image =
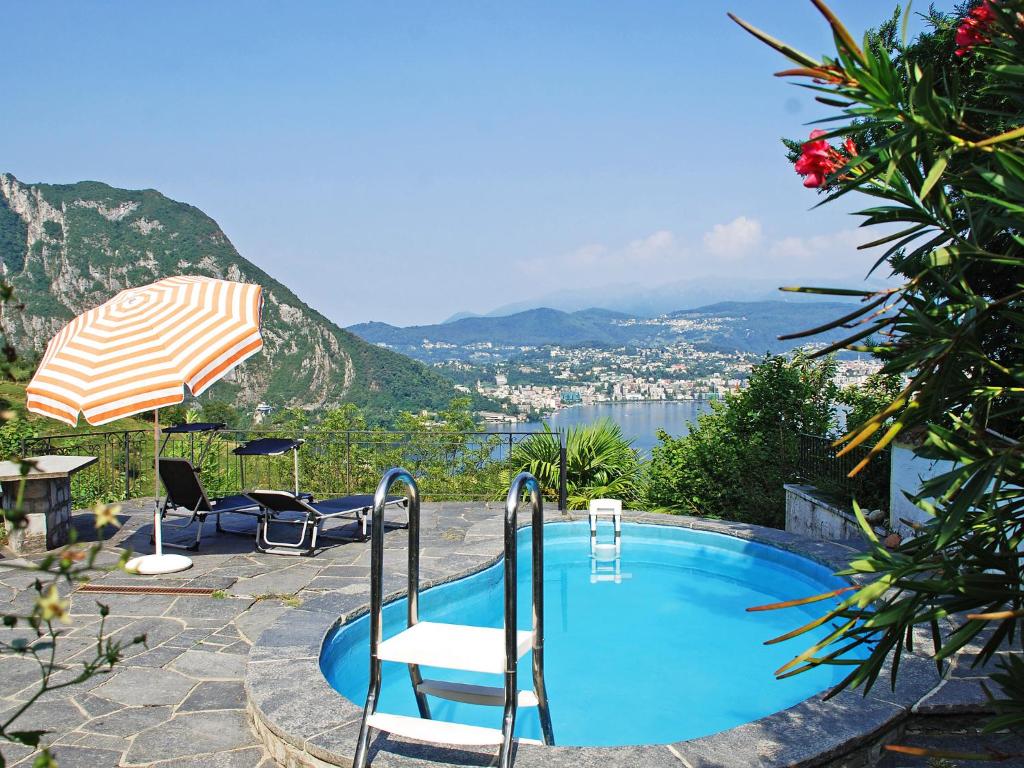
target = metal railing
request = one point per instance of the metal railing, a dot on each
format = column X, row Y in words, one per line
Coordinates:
column 818, row 465
column 449, row 466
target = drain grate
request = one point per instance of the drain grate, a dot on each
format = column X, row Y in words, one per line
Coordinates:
column 115, row 589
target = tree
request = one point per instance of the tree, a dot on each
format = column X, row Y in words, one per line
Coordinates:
column 874, row 395
column 448, row 452
column 734, row 462
column 175, row 414
column 932, row 132
column 217, row 411
column 346, row 418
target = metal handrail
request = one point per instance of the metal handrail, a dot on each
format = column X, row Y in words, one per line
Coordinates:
column 524, row 481
column 391, row 477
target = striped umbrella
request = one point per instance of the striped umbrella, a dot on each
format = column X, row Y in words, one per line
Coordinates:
column 139, row 351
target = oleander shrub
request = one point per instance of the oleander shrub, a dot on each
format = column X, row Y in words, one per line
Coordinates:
column 931, row 131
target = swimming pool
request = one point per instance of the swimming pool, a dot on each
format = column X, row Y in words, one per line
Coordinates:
column 653, row 647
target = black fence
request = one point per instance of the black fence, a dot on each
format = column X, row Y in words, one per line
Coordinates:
column 448, row 466
column 818, row 465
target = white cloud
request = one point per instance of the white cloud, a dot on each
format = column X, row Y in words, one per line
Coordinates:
column 651, row 247
column 587, row 255
column 817, row 247
column 733, row 250
column 734, row 239
column 651, row 256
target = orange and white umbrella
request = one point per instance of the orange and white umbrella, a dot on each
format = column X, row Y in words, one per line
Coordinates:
column 138, row 352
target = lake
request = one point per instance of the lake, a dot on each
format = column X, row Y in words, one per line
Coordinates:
column 638, row 420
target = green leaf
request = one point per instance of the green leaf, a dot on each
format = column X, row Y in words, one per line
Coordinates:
column 786, row 50
column 940, row 257
column 938, row 168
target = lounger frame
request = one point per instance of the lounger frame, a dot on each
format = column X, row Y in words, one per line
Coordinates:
column 311, row 518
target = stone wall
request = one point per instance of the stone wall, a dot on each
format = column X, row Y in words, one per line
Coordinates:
column 47, row 507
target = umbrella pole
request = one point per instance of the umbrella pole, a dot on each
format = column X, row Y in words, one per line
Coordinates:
column 157, row 522
column 158, row 562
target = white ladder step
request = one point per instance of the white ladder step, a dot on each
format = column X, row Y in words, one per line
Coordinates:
column 474, row 694
column 436, row 731
column 439, row 731
column 453, row 646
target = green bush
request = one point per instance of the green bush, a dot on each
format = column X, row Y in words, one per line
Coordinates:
column 12, row 433
column 874, row 395
column 600, row 463
column 734, row 462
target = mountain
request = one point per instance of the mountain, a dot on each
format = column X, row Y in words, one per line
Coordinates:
column 754, row 326
column 66, row 248
column 723, row 327
column 459, row 316
column 646, row 301
column 534, row 327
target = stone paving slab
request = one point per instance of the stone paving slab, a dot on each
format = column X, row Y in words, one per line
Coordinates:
column 192, row 733
column 141, row 687
column 129, row 720
column 210, row 665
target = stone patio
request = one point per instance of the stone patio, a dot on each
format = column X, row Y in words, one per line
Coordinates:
column 180, row 701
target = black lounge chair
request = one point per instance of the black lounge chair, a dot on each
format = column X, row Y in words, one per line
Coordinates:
column 286, row 508
column 187, row 498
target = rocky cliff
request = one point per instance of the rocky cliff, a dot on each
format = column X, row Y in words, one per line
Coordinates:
column 66, row 248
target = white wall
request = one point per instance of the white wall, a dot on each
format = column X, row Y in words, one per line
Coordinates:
column 908, row 471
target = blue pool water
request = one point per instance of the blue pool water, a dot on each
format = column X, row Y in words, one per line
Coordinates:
column 666, row 652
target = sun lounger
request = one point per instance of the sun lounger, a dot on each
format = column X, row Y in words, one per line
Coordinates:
column 285, row 508
column 186, row 498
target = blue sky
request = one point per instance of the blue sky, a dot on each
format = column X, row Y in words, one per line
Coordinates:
column 404, row 161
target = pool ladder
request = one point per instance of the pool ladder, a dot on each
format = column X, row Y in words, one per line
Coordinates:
column 605, row 559
column 456, row 646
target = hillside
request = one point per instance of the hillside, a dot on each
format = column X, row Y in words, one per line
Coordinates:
column 534, row 326
column 66, row 248
column 754, row 326
column 724, row 327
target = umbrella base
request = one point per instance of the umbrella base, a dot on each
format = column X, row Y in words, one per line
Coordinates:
column 149, row 565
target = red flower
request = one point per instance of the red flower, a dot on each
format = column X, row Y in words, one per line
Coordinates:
column 971, row 31
column 819, row 159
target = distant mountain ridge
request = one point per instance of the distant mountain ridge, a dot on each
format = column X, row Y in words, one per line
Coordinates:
column 66, row 248
column 647, row 301
column 534, row 327
column 725, row 327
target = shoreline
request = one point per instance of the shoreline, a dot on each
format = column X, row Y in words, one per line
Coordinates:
column 569, row 406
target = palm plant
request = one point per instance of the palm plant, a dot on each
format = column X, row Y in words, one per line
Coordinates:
column 600, row 463
column 932, row 131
